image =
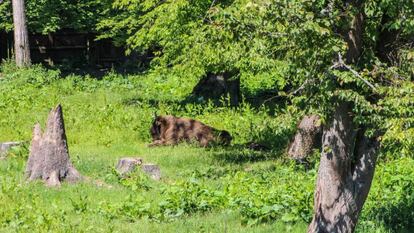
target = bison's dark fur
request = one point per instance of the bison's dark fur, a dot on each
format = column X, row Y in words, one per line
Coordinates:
column 170, row 130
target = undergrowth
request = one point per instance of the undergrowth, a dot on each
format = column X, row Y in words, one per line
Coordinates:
column 109, row 118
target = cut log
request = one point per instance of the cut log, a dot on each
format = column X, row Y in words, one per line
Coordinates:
column 49, row 154
column 307, row 137
column 6, row 146
column 127, row 165
column 152, row 170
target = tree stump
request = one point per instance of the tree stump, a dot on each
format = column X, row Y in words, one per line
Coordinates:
column 152, row 170
column 127, row 165
column 49, row 155
column 6, row 146
column 307, row 137
column 213, row 86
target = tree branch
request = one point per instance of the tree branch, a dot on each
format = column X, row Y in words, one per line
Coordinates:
column 205, row 16
column 294, row 92
column 341, row 64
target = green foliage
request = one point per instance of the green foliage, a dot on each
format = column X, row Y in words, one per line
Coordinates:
column 190, row 196
column 391, row 202
column 281, row 197
column 6, row 16
column 399, row 137
column 194, row 38
column 123, row 104
column 276, row 45
column 47, row 16
column 272, row 194
column 135, row 181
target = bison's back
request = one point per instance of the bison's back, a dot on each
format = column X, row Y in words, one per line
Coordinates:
column 189, row 129
column 175, row 129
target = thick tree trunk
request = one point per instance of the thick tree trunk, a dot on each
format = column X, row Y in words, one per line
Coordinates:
column 342, row 185
column 348, row 157
column 49, row 155
column 21, row 37
column 306, row 138
column 353, row 38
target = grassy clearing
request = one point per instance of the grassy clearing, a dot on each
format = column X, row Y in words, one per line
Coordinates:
column 203, row 190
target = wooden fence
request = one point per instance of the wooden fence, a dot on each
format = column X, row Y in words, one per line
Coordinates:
column 67, row 47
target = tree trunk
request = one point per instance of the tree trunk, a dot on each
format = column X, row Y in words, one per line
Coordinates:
column 21, row 37
column 49, row 155
column 306, row 138
column 348, row 157
column 342, row 185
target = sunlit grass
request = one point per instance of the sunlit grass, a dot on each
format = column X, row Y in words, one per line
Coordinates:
column 109, row 120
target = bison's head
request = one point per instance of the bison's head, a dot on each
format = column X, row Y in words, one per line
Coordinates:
column 225, row 138
column 155, row 129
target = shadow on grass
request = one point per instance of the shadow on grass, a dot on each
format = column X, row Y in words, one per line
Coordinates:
column 265, row 99
column 152, row 102
column 239, row 154
column 96, row 72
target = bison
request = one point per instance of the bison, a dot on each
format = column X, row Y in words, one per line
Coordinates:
column 170, row 130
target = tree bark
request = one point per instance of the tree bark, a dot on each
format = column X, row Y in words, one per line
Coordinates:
column 342, row 185
column 353, row 38
column 306, row 138
column 49, row 154
column 21, row 37
column 348, row 157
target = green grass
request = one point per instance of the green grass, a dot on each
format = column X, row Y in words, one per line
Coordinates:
column 202, row 189
column 97, row 162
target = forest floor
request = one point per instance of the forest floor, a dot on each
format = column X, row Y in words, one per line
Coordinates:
column 219, row 189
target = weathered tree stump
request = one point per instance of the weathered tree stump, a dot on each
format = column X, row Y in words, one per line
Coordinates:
column 307, row 137
column 127, row 165
column 6, row 146
column 152, row 170
column 49, row 155
column 213, row 86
